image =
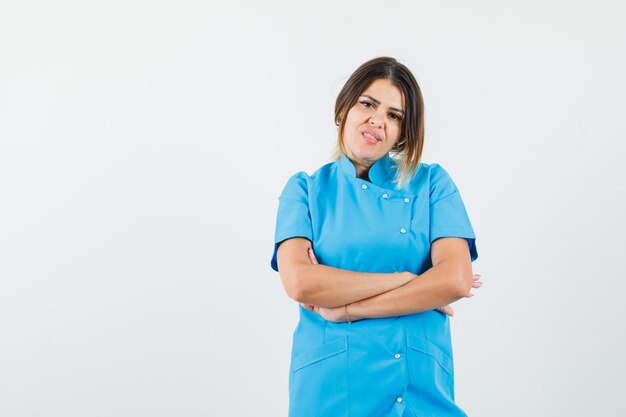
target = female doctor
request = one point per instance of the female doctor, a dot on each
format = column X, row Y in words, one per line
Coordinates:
column 374, row 246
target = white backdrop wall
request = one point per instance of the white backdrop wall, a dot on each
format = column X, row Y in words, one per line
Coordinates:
column 143, row 146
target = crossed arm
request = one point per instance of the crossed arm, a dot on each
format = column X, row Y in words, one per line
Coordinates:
column 326, row 290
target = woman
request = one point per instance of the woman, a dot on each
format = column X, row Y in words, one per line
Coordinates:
column 374, row 246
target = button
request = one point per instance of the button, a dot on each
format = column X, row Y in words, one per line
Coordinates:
column 364, row 186
column 385, row 195
column 407, row 199
column 403, row 230
column 397, row 356
column 399, row 399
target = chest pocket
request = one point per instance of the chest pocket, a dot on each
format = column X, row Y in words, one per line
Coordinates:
column 364, row 229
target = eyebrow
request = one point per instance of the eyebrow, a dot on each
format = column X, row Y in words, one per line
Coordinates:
column 378, row 102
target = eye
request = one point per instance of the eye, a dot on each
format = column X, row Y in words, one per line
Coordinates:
column 395, row 116
column 366, row 103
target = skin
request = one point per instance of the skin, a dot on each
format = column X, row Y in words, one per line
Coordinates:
column 338, row 314
column 333, row 292
column 383, row 119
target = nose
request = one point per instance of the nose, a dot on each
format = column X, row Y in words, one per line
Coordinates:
column 375, row 121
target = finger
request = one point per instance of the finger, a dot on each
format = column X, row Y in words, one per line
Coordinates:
column 477, row 277
column 469, row 295
column 312, row 256
column 307, row 306
column 446, row 310
column 477, row 284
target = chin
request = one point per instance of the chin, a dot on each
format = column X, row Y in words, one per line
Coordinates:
column 372, row 153
column 368, row 156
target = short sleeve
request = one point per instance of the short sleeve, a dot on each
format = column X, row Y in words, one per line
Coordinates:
column 448, row 217
column 293, row 218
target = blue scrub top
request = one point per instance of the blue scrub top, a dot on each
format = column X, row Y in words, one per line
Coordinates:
column 392, row 366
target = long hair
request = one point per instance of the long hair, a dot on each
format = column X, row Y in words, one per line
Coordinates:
column 408, row 149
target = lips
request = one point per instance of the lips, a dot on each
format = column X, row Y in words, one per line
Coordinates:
column 370, row 136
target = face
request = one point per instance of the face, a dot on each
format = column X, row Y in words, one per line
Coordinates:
column 373, row 124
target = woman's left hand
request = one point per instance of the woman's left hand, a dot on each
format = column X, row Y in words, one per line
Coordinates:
column 476, row 283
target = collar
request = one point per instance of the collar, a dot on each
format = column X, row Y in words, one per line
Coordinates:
column 378, row 173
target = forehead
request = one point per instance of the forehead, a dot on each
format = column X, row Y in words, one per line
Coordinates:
column 386, row 92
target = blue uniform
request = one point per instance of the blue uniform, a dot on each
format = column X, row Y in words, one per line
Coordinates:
column 393, row 366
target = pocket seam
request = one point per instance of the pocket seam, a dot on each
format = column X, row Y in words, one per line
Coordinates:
column 425, row 346
column 317, row 354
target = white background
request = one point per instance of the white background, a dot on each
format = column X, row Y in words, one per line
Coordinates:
column 143, row 146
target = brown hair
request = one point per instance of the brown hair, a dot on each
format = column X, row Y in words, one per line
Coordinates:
column 408, row 150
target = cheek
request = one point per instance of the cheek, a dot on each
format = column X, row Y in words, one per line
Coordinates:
column 356, row 116
column 349, row 121
column 352, row 124
column 395, row 132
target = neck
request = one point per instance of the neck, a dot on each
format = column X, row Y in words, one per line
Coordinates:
column 361, row 167
column 362, row 172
